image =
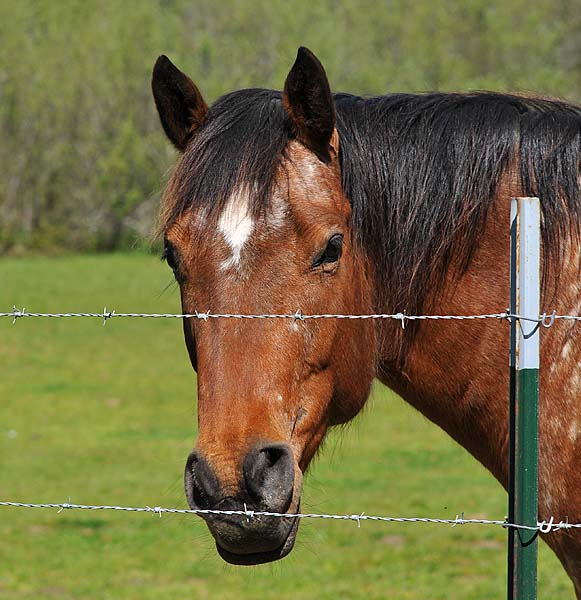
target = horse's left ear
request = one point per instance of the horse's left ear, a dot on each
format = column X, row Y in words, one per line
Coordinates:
column 307, row 99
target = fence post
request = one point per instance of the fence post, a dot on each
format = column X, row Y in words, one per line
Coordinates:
column 524, row 397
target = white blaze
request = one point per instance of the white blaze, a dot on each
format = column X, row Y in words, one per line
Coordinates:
column 236, row 225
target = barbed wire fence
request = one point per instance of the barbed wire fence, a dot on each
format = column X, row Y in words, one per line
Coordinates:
column 545, row 320
column 523, row 403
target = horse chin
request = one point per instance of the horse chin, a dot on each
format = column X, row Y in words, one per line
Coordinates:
column 259, row 558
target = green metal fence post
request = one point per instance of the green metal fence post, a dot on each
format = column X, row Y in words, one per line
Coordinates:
column 524, row 397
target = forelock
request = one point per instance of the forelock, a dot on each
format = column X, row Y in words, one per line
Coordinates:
column 241, row 146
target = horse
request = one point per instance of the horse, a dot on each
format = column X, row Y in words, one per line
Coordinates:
column 333, row 203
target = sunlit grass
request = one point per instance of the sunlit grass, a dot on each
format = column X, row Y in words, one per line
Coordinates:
column 106, row 415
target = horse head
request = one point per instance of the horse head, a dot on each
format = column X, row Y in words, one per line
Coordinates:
column 256, row 222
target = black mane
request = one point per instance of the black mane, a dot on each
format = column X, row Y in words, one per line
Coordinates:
column 421, row 172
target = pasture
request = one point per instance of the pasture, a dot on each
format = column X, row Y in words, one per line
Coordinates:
column 106, row 415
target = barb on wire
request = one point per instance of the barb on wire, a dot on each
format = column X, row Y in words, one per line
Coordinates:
column 16, row 314
column 542, row 526
column 107, row 315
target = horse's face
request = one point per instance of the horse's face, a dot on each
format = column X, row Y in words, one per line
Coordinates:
column 268, row 389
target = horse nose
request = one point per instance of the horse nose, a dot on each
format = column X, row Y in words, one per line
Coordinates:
column 267, row 480
column 202, row 487
column 269, row 476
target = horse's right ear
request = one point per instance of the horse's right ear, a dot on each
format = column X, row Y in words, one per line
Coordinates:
column 180, row 105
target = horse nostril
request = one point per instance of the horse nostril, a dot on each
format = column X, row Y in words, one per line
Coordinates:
column 202, row 487
column 273, row 454
column 269, row 476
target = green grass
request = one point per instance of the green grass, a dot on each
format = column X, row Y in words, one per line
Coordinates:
column 107, row 415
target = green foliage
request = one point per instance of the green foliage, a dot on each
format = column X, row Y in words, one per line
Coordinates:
column 81, row 149
column 105, row 415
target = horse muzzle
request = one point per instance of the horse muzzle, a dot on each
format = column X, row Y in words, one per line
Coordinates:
column 267, row 484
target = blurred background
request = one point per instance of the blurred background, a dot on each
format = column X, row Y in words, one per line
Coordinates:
column 80, row 145
column 106, row 415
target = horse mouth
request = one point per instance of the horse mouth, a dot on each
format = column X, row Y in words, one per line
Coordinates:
column 259, row 558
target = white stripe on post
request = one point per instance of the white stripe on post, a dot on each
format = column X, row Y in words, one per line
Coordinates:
column 528, row 281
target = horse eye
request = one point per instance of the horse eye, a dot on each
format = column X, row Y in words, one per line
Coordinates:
column 332, row 252
column 169, row 257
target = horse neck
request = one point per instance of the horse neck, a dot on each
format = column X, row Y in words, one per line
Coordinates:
column 456, row 372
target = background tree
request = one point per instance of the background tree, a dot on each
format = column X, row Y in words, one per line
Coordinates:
column 80, row 146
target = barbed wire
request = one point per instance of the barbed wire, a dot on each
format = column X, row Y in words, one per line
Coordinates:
column 546, row 320
column 546, row 526
column 543, row 320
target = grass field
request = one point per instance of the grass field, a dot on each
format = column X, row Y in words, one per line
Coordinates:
column 106, row 415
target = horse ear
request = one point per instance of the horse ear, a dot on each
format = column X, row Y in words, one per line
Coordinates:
column 180, row 105
column 307, row 99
